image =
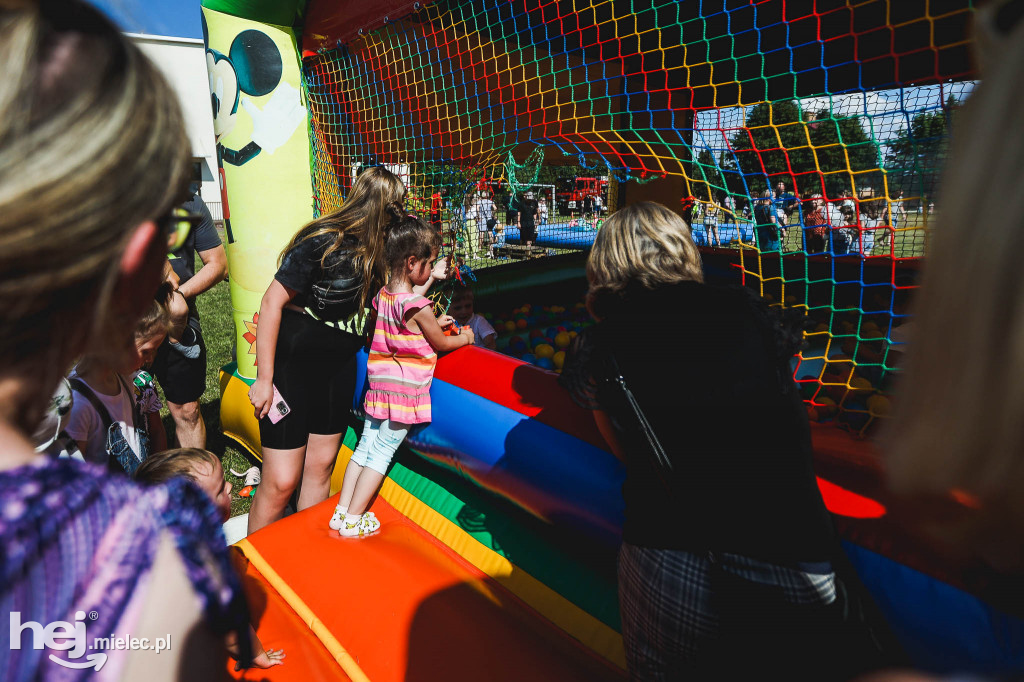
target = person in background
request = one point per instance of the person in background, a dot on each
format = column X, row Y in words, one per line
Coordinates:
column 711, row 213
column 93, row 163
column 542, row 209
column 486, row 224
column 527, row 217
column 785, row 203
column 766, row 223
column 462, row 310
column 815, row 223
column 182, row 374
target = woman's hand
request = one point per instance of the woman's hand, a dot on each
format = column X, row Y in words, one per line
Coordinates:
column 261, row 395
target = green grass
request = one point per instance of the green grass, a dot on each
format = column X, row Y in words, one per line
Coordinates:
column 219, row 334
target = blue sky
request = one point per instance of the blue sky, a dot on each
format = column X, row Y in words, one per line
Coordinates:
column 178, row 18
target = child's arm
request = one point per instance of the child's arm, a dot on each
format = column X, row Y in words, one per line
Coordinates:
column 440, row 272
column 434, row 335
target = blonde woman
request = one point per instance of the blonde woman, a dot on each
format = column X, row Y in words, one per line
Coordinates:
column 311, row 326
column 93, row 160
column 725, row 570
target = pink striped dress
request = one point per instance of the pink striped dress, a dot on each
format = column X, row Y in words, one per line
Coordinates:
column 401, row 363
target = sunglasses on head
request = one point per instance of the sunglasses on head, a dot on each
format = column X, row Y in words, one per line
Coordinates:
column 176, row 224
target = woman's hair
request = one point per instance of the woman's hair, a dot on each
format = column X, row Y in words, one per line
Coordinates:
column 92, row 144
column 375, row 195
column 157, row 317
column 407, row 236
column 644, row 244
column 164, row 466
column 958, row 418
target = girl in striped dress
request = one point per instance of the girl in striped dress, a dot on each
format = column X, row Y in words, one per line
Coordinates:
column 406, row 340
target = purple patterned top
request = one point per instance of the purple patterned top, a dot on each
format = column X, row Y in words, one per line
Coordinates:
column 76, row 545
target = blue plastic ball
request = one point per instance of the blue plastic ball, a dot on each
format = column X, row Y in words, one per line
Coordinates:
column 528, row 357
column 545, row 363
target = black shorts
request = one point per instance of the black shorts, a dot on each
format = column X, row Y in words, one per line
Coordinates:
column 183, row 379
column 315, row 372
column 528, row 233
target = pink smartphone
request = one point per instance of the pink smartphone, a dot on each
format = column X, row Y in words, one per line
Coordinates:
column 279, row 409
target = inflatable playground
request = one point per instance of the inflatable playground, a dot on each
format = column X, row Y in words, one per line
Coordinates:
column 502, row 518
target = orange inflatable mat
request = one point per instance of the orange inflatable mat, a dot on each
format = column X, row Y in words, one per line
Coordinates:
column 396, row 606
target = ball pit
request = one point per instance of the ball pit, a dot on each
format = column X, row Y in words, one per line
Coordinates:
column 539, row 335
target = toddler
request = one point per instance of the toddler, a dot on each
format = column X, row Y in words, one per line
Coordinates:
column 115, row 415
column 462, row 310
column 406, row 340
column 203, row 468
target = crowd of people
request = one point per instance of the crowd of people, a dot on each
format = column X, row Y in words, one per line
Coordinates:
column 730, row 567
column 838, row 227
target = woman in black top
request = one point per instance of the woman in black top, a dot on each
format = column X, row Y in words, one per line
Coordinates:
column 725, row 565
column 310, row 328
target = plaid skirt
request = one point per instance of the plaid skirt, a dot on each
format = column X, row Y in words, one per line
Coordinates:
column 723, row 616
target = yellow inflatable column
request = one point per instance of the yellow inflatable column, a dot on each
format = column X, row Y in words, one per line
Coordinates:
column 261, row 125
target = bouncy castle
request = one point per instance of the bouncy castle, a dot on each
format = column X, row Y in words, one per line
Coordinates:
column 503, row 516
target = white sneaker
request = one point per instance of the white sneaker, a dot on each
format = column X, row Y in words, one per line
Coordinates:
column 251, row 475
column 363, row 526
column 337, row 520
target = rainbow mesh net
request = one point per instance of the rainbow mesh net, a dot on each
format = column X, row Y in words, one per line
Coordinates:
column 705, row 106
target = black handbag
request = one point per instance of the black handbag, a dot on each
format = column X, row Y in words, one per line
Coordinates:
column 335, row 300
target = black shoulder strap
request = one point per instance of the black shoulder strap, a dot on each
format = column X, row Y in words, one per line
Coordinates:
column 83, row 388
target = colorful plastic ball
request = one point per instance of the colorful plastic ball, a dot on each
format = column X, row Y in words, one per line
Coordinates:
column 527, row 307
column 550, row 332
column 529, row 357
column 878, row 405
column 535, row 334
column 544, row 351
column 521, row 324
column 559, row 359
column 573, row 334
column 560, row 329
column 562, row 339
column 545, row 363
column 510, row 326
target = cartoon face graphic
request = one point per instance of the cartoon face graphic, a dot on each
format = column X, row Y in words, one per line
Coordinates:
column 252, row 67
column 223, row 81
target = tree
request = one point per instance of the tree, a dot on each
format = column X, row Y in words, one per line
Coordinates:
column 806, row 149
column 914, row 159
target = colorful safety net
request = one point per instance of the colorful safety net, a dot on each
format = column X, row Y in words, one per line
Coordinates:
column 803, row 139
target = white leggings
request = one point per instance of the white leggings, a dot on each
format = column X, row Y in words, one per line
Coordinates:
column 378, row 443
